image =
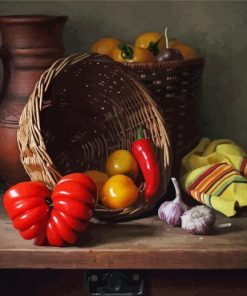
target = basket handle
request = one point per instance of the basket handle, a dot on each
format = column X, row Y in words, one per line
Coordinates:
column 3, row 57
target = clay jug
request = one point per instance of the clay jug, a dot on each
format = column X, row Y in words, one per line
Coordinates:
column 30, row 44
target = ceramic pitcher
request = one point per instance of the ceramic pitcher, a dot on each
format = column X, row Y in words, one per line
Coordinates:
column 30, row 44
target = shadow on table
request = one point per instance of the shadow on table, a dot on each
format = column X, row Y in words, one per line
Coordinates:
column 104, row 233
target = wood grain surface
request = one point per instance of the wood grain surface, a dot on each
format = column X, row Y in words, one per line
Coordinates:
column 141, row 244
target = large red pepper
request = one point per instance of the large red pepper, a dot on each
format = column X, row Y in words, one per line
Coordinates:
column 58, row 216
column 143, row 151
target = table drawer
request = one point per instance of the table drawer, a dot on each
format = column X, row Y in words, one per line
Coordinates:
column 157, row 282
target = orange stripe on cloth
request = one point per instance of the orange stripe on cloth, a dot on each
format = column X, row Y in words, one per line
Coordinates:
column 210, row 179
column 221, row 180
column 202, row 197
column 217, row 178
column 196, row 194
column 213, row 177
column 203, row 176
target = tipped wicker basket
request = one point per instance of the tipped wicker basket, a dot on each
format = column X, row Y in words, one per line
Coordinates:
column 83, row 108
column 175, row 86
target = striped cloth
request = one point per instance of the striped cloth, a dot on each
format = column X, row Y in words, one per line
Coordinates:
column 215, row 174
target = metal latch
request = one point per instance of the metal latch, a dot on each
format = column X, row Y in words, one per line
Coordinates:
column 114, row 283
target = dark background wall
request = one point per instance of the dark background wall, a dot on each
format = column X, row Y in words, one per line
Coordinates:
column 215, row 28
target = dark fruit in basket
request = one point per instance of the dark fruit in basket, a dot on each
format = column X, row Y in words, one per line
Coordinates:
column 169, row 54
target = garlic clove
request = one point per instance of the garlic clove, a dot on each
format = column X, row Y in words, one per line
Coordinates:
column 170, row 212
column 198, row 220
column 178, row 194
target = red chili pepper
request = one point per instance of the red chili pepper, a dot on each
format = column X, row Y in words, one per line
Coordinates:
column 143, row 151
column 39, row 214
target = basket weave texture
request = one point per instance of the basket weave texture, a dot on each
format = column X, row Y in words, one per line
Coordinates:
column 176, row 87
column 83, row 108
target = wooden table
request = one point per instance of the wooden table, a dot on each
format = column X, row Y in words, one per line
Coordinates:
column 146, row 244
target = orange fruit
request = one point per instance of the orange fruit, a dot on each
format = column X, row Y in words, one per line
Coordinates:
column 119, row 192
column 122, row 162
column 129, row 53
column 105, row 46
column 153, row 41
column 98, row 177
column 186, row 51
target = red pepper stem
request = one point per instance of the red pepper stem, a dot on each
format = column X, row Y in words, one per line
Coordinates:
column 139, row 133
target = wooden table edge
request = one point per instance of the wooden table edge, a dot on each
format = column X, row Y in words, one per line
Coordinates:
column 124, row 259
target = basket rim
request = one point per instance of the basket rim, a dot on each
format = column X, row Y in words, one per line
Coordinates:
column 200, row 61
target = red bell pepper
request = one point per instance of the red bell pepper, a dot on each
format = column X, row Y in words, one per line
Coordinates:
column 143, row 151
column 39, row 214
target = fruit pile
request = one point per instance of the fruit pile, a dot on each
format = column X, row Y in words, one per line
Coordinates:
column 117, row 186
column 56, row 217
column 148, row 47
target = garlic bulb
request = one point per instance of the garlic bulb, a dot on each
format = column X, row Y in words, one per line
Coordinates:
column 198, row 220
column 171, row 211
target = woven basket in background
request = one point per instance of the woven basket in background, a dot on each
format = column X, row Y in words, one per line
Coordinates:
column 83, row 108
column 176, row 88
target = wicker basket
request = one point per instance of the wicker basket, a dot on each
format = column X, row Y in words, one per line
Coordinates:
column 176, row 88
column 83, row 108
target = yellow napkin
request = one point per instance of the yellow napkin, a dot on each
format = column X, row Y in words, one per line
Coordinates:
column 214, row 174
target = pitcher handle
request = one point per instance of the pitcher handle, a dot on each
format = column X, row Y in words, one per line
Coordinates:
column 3, row 57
